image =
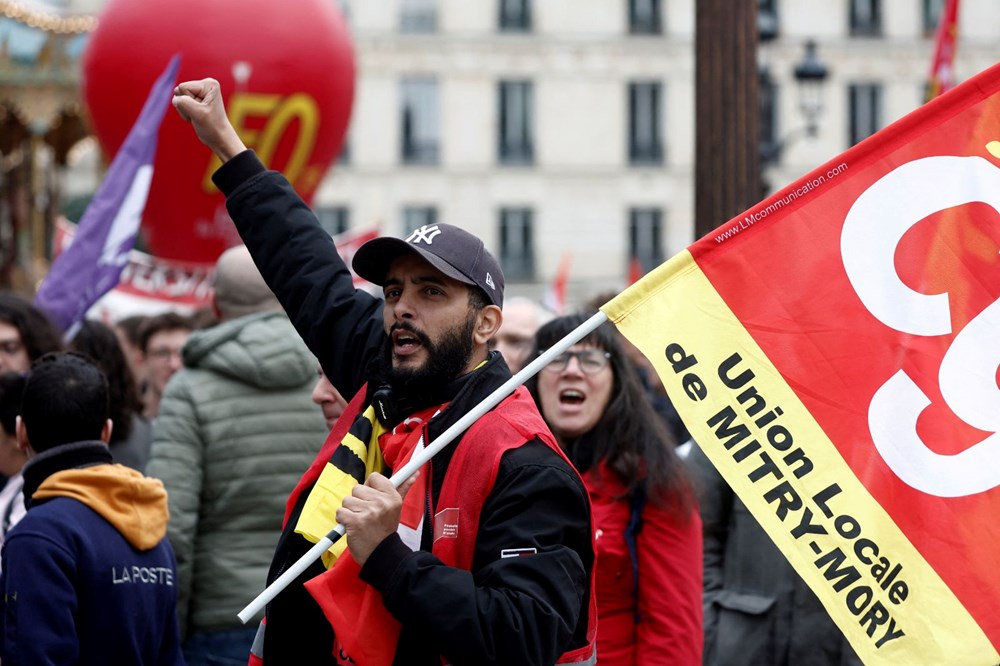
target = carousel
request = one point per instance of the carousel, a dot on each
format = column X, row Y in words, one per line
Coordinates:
column 43, row 132
column 72, row 84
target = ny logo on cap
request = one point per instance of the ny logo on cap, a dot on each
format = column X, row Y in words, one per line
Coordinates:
column 425, row 233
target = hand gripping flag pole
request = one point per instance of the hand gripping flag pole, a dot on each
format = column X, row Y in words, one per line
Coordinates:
column 421, row 458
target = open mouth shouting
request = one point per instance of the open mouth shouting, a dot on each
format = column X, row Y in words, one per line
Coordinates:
column 571, row 397
column 572, row 407
column 406, row 341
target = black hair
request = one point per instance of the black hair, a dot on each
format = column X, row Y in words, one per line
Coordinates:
column 65, row 400
column 100, row 344
column 478, row 298
column 11, row 389
column 38, row 334
column 630, row 438
column 168, row 321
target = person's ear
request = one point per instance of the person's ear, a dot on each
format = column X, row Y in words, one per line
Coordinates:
column 488, row 322
column 106, row 431
column 21, row 433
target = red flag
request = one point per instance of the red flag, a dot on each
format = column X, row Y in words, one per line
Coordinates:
column 555, row 296
column 833, row 352
column 376, row 632
column 942, row 75
column 348, row 243
column 634, row 270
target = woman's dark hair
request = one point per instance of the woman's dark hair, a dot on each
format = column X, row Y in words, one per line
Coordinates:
column 132, row 328
column 38, row 335
column 630, row 438
column 11, row 389
column 100, row 344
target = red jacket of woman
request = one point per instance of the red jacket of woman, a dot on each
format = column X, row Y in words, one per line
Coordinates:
column 669, row 627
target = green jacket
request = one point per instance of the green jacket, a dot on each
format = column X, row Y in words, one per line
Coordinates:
column 236, row 430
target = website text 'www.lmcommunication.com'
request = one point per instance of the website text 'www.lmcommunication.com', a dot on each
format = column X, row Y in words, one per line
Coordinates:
column 751, row 218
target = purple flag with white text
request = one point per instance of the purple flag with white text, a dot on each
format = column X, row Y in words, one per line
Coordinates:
column 106, row 233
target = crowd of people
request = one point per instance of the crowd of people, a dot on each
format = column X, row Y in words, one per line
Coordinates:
column 160, row 470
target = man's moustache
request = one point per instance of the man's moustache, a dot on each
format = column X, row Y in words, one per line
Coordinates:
column 410, row 328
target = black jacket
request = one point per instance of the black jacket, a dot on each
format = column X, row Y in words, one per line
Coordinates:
column 526, row 610
column 758, row 610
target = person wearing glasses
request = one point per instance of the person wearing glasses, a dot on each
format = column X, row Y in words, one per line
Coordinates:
column 132, row 436
column 88, row 574
column 161, row 339
column 649, row 555
column 235, row 429
column 26, row 334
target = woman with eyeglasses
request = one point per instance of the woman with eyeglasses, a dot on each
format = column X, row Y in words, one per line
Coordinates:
column 25, row 335
column 649, row 557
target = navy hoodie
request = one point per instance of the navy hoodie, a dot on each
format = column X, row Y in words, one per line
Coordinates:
column 88, row 577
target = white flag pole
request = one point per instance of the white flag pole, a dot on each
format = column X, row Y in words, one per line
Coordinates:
column 421, row 458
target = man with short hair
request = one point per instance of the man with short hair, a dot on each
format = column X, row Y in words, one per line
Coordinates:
column 236, row 428
column 161, row 339
column 87, row 576
column 486, row 556
column 522, row 317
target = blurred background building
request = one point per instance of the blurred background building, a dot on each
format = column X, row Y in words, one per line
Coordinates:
column 561, row 131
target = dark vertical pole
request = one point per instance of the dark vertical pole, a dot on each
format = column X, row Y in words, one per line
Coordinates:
column 727, row 165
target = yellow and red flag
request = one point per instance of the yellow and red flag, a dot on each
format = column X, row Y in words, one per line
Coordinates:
column 834, row 352
column 942, row 75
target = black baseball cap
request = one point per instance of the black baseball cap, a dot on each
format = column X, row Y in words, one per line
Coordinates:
column 453, row 251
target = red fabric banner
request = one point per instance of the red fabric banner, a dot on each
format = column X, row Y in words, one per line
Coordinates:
column 942, row 76
column 833, row 350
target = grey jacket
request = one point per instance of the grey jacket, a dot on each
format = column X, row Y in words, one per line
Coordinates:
column 236, row 429
column 758, row 611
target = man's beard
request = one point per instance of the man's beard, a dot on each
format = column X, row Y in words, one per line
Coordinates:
column 446, row 359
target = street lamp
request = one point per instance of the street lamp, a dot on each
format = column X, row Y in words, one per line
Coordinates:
column 810, row 75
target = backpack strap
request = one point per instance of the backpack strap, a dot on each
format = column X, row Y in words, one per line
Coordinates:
column 636, row 502
column 8, row 512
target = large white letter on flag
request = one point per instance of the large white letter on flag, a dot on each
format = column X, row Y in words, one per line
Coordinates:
column 834, row 353
column 106, row 234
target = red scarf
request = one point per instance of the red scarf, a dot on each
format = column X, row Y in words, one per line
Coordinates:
column 363, row 627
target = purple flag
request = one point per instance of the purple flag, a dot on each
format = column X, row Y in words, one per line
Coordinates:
column 93, row 264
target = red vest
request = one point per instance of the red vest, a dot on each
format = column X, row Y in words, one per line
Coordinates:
column 366, row 630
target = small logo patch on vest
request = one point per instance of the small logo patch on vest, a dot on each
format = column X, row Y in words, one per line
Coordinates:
column 517, row 552
column 446, row 524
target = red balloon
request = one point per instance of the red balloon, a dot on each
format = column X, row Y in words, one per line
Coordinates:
column 287, row 74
